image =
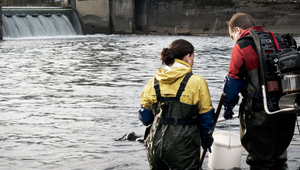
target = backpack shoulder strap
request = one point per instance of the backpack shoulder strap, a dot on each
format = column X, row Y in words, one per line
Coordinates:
column 179, row 92
column 157, row 90
column 183, row 84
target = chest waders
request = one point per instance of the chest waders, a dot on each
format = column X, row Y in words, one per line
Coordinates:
column 173, row 140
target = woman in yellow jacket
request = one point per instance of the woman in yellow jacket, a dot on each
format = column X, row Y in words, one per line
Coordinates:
column 176, row 106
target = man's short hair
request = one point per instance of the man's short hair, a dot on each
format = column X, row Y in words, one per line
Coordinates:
column 241, row 20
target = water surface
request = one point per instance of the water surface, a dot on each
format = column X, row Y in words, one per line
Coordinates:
column 65, row 100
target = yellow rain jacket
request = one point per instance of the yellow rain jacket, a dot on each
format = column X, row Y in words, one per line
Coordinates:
column 196, row 90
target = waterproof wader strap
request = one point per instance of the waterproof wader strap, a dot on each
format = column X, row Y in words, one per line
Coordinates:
column 157, row 90
column 177, row 121
column 183, row 84
column 256, row 91
column 179, row 92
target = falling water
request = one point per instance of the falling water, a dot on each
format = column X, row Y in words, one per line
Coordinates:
column 27, row 26
column 216, row 22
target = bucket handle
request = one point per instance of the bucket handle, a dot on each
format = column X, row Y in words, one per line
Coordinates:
column 229, row 147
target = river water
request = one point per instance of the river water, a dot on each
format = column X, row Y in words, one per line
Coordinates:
column 65, row 100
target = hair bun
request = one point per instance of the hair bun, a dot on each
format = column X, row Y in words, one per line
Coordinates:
column 167, row 56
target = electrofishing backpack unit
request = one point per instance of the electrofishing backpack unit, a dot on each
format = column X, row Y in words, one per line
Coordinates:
column 279, row 71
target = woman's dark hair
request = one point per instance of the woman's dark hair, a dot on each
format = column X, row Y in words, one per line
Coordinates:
column 177, row 49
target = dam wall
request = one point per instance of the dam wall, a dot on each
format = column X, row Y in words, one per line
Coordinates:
column 105, row 16
column 122, row 19
column 93, row 15
column 183, row 17
column 204, row 17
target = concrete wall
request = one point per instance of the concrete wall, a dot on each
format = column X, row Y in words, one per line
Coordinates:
column 204, row 17
column 122, row 16
column 93, row 15
column 141, row 15
column 186, row 17
column 105, row 16
column 275, row 17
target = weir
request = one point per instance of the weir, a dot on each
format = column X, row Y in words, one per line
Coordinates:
column 32, row 22
column 160, row 17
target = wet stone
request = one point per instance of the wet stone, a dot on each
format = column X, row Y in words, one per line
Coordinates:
column 130, row 137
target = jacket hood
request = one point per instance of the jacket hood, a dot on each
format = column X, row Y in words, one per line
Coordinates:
column 171, row 74
column 256, row 28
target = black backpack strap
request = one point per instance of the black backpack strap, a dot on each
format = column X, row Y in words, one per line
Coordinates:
column 158, row 94
column 245, row 37
column 253, row 101
column 257, row 94
column 179, row 92
column 157, row 90
column 183, row 84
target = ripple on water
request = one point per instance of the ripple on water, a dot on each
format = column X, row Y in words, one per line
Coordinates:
column 64, row 100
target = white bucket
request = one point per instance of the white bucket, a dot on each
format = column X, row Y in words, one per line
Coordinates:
column 226, row 151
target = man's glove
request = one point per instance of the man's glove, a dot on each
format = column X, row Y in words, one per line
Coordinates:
column 206, row 143
column 229, row 105
column 228, row 113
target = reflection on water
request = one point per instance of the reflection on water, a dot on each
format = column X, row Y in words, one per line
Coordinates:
column 65, row 101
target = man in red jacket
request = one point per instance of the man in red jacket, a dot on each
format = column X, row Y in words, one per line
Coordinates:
column 265, row 137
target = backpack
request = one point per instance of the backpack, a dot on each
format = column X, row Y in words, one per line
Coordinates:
column 279, row 71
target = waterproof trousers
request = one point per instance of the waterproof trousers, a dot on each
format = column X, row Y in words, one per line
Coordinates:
column 171, row 146
column 266, row 139
column 175, row 152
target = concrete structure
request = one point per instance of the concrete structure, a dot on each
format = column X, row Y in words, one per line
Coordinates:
column 204, row 17
column 93, row 15
column 122, row 19
column 105, row 16
column 182, row 17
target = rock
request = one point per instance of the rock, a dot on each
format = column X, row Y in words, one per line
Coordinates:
column 130, row 137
